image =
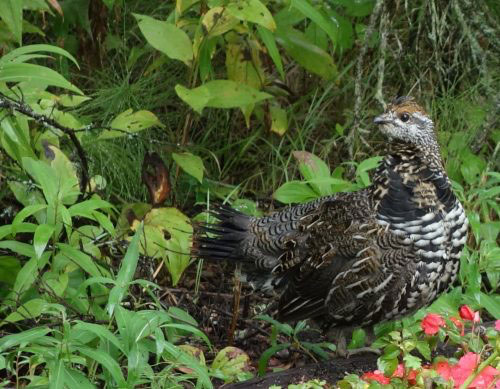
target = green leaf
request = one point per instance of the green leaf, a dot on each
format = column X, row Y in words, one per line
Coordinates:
column 130, row 122
column 252, row 11
column 24, row 337
column 26, row 72
column 167, row 38
column 279, row 121
column 80, row 259
column 489, row 303
column 57, row 374
column 220, row 94
column 295, row 192
column 75, row 379
column 42, row 235
column 19, row 54
column 268, row 39
column 107, row 362
column 190, row 163
column 12, row 15
column 28, row 310
column 65, row 173
column 126, row 272
column 102, row 332
column 412, row 362
column 307, row 54
column 312, row 13
column 266, row 355
column 424, row 349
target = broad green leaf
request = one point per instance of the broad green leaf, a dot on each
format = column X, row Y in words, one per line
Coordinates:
column 24, row 337
column 44, row 176
column 102, row 332
column 18, row 247
column 167, row 38
column 28, row 310
column 126, row 272
column 26, row 276
column 220, row 94
column 57, row 374
column 368, row 164
column 295, row 192
column 218, row 21
column 12, row 15
column 190, row 163
column 16, row 140
column 107, row 362
column 9, row 268
column 80, row 259
column 76, row 379
column 308, row 55
column 317, row 17
column 41, row 238
column 311, row 166
column 130, row 122
column 65, row 171
column 232, row 362
column 357, row 8
column 26, row 72
column 252, row 11
column 27, row 212
column 176, row 262
column 20, row 52
column 270, row 42
column 489, row 303
column 345, row 32
column 279, row 121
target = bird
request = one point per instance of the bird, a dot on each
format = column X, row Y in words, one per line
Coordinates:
column 356, row 259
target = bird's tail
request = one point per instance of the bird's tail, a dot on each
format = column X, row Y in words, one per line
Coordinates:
column 223, row 240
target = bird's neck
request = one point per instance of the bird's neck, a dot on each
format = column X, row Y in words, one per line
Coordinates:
column 427, row 155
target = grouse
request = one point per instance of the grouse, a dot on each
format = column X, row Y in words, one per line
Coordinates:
column 357, row 258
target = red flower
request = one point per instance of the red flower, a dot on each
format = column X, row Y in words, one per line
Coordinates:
column 431, row 323
column 376, row 375
column 458, row 323
column 400, row 372
column 497, row 325
column 443, row 368
column 468, row 314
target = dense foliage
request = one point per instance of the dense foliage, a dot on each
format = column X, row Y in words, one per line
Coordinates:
column 120, row 121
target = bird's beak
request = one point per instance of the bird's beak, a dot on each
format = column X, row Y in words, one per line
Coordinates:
column 383, row 119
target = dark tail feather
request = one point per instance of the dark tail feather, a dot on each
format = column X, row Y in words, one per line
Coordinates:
column 222, row 240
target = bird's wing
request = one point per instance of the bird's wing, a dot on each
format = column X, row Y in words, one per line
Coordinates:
column 339, row 262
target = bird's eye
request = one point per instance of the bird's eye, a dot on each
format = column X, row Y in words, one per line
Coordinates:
column 404, row 117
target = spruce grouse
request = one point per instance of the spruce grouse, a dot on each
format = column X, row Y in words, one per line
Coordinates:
column 358, row 258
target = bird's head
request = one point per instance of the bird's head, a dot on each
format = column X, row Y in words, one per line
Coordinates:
column 406, row 121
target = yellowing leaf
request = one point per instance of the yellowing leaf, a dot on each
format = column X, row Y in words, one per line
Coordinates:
column 217, row 21
column 220, row 94
column 244, row 65
column 252, row 11
column 167, row 38
column 128, row 122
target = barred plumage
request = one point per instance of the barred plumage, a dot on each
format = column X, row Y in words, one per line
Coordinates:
column 354, row 259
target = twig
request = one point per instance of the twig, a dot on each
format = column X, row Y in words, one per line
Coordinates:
column 379, row 96
column 8, row 103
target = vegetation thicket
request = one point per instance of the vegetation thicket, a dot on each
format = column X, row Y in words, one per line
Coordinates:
column 122, row 121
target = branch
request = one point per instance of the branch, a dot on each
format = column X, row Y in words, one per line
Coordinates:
column 11, row 104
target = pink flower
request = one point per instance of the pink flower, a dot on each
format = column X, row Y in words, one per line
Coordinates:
column 464, row 368
column 468, row 314
column 431, row 323
column 497, row 325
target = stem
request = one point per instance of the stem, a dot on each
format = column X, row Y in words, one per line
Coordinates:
column 481, row 367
